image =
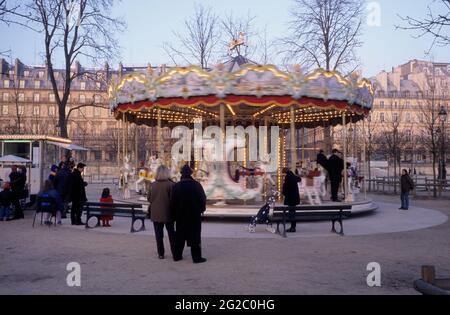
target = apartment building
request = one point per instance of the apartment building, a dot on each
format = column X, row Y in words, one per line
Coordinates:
column 28, row 106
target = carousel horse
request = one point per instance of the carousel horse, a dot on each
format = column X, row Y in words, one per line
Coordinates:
column 142, row 175
column 125, row 174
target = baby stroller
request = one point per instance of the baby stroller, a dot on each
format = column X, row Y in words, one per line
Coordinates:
column 263, row 215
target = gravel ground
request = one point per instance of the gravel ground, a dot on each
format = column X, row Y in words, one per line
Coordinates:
column 33, row 261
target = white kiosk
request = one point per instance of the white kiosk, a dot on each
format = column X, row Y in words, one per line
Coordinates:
column 41, row 151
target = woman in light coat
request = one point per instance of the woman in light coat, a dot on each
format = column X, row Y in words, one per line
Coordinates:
column 160, row 210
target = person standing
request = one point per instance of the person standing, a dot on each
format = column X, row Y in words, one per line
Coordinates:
column 61, row 183
column 160, row 211
column 322, row 159
column 77, row 193
column 406, row 185
column 6, row 198
column 17, row 181
column 188, row 202
column 335, row 167
column 53, row 172
column 106, row 198
column 291, row 195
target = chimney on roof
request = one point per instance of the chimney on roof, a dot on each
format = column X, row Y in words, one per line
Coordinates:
column 17, row 68
column 106, row 69
column 4, row 66
column 120, row 69
column 76, row 67
column 46, row 73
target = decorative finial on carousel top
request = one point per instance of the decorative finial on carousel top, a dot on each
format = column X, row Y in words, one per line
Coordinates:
column 149, row 69
column 235, row 43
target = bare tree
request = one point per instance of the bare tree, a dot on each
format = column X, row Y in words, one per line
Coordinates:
column 265, row 49
column 433, row 99
column 324, row 34
column 198, row 45
column 6, row 10
column 394, row 135
column 71, row 29
column 436, row 24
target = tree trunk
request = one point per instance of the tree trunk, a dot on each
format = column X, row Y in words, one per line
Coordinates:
column 62, row 122
column 434, row 175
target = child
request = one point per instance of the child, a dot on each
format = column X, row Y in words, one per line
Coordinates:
column 106, row 198
column 6, row 197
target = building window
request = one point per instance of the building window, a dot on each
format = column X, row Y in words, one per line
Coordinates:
column 382, row 117
column 21, row 84
column 36, row 97
column 395, row 117
column 97, row 155
column 408, row 118
column 51, row 111
column 5, row 97
column 35, row 128
column 82, row 98
column 20, row 110
column 382, row 104
column 395, row 105
column 96, row 111
column 97, row 99
column 83, row 86
column 98, row 85
column 41, row 74
column 51, row 97
column 35, row 110
column 5, row 110
column 420, row 116
column 26, row 73
column 21, row 97
column 37, row 84
column 6, row 84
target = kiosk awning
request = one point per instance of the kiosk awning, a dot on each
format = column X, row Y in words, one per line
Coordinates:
column 72, row 147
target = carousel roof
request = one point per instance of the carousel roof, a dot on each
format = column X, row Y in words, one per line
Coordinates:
column 247, row 89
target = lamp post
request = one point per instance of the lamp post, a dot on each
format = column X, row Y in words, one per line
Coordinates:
column 442, row 173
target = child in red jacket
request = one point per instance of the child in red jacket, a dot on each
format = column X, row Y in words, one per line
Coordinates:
column 106, row 198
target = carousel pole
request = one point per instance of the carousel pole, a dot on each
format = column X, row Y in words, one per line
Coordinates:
column 136, row 129
column 119, row 126
column 222, row 124
column 345, row 155
column 293, row 142
column 364, row 160
column 303, row 148
column 126, row 136
column 123, row 136
column 159, row 135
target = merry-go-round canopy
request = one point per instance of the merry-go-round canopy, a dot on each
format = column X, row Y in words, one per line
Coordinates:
column 251, row 94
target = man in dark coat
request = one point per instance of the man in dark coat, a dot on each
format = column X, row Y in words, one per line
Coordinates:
column 406, row 185
column 77, row 192
column 188, row 202
column 322, row 160
column 291, row 195
column 61, row 183
column 335, row 168
column 17, row 181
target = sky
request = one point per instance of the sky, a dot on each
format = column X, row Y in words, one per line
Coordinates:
column 150, row 23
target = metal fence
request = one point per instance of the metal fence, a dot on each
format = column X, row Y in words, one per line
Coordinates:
column 422, row 185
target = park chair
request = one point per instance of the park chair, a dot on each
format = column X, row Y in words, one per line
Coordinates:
column 45, row 204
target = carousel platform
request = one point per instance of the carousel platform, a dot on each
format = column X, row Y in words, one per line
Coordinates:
column 245, row 212
column 238, row 212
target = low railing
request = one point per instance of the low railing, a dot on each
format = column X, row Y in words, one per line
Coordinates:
column 421, row 184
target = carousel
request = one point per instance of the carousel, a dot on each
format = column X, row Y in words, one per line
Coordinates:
column 242, row 93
